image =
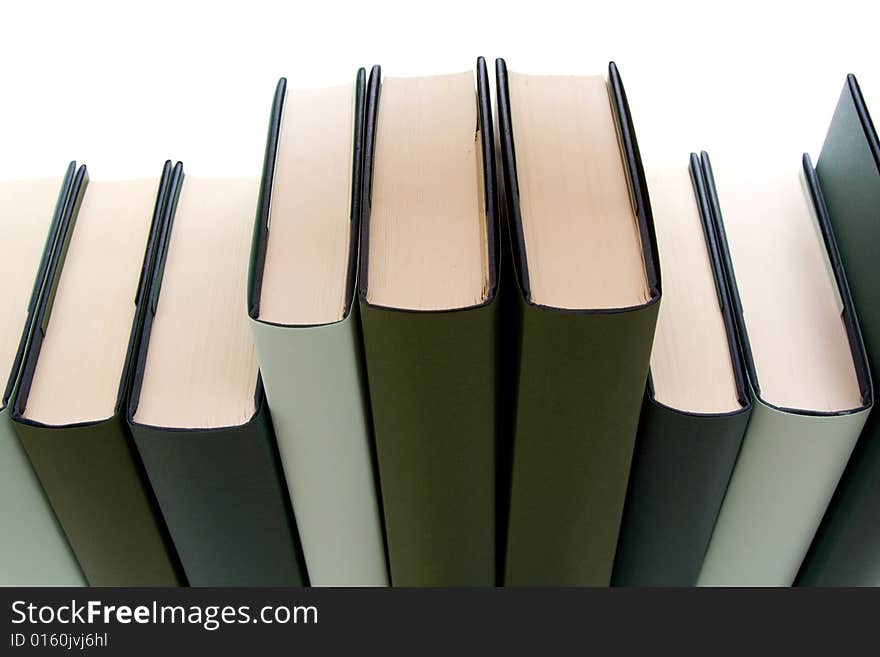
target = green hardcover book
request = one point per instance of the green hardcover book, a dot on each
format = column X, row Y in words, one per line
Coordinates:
column 428, row 306
column 34, row 550
column 588, row 278
column 806, row 368
column 197, row 409
column 846, row 551
column 696, row 403
column 69, row 410
column 306, row 328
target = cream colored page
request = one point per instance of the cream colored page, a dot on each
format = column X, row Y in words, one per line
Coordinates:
column 80, row 366
column 201, row 368
column 690, row 363
column 304, row 278
column 790, row 304
column 427, row 239
column 581, row 237
column 26, row 210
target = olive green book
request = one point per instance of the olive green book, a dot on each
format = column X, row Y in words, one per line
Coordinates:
column 432, row 372
column 581, row 358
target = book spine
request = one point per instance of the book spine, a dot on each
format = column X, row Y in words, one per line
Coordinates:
column 579, row 391
column 223, row 498
column 95, row 483
column 433, row 386
column 316, row 390
column 786, row 473
column 681, row 468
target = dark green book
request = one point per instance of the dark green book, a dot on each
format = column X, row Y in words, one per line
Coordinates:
column 428, row 286
column 75, row 382
column 696, row 403
column 197, row 411
column 846, row 549
column 589, row 289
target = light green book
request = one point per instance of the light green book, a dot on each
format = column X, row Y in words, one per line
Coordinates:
column 306, row 329
column 806, row 367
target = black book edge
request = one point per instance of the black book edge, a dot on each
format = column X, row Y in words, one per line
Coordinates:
column 636, row 180
column 261, row 223
column 853, row 335
column 487, row 142
column 53, row 276
column 724, row 302
column 150, row 292
column 39, row 280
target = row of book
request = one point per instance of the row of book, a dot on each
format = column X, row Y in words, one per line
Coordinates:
column 438, row 355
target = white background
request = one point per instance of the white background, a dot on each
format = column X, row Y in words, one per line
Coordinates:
column 124, row 86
